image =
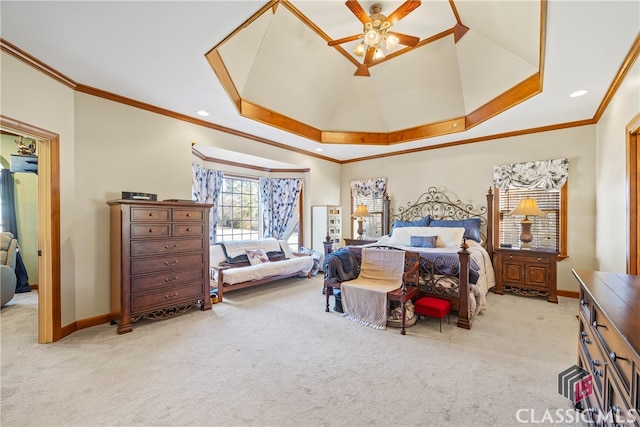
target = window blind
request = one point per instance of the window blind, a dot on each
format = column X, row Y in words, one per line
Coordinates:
column 545, row 229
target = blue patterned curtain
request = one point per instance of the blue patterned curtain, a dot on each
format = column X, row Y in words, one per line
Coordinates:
column 545, row 174
column 206, row 186
column 278, row 198
column 373, row 187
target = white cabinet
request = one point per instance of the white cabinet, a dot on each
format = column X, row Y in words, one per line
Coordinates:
column 326, row 221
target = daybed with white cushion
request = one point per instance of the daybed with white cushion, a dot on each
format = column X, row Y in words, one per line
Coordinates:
column 245, row 263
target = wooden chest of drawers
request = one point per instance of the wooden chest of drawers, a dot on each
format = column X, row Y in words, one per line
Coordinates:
column 526, row 272
column 609, row 346
column 159, row 259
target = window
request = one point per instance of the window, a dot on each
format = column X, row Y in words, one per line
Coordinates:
column 549, row 231
column 372, row 225
column 239, row 209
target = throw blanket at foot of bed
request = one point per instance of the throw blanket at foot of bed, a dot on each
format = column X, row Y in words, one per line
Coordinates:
column 364, row 300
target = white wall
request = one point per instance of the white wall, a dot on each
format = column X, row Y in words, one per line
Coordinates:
column 106, row 148
column 611, row 175
column 34, row 98
column 120, row 148
column 467, row 172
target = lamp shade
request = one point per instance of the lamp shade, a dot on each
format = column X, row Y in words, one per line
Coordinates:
column 527, row 207
column 361, row 211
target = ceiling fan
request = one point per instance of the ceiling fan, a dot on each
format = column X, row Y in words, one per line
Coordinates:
column 375, row 34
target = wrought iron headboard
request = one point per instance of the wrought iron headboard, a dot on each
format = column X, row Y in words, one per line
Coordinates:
column 436, row 203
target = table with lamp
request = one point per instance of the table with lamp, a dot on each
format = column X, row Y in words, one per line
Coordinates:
column 526, row 270
column 361, row 213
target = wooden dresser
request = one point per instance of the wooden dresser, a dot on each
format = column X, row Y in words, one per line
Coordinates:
column 529, row 272
column 159, row 259
column 609, row 346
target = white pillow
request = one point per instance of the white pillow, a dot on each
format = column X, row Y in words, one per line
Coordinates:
column 448, row 237
column 286, row 248
column 216, row 255
column 402, row 236
column 257, row 256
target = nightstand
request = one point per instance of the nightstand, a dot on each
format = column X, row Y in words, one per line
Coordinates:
column 529, row 272
column 357, row 242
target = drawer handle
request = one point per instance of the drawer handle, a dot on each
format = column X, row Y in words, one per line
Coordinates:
column 170, row 263
column 597, row 325
column 583, row 302
column 151, row 230
column 510, row 256
column 188, row 214
column 594, row 363
column 170, row 247
column 173, row 279
column 597, row 372
column 171, row 296
column 584, row 338
column 615, row 357
column 539, row 259
column 150, row 213
column 188, row 228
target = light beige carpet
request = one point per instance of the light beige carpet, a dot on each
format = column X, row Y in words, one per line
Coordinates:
column 271, row 356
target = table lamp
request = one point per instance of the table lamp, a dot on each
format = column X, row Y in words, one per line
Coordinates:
column 361, row 211
column 527, row 207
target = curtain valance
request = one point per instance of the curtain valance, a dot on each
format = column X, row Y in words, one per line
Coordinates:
column 545, row 174
column 372, row 187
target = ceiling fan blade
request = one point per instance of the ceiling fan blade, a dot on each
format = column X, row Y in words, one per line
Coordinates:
column 403, row 10
column 406, row 39
column 357, row 10
column 345, row 39
column 368, row 57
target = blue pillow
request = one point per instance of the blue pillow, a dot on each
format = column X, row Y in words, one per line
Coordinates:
column 422, row 222
column 424, row 241
column 471, row 226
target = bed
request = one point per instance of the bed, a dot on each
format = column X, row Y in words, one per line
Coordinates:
column 456, row 265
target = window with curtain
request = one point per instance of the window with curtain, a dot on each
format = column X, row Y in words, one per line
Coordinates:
column 239, row 209
column 246, row 208
column 546, row 182
column 371, row 193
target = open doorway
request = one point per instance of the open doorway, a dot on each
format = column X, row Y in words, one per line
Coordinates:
column 48, row 226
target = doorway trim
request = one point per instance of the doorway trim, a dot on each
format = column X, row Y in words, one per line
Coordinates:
column 633, row 202
column 49, row 302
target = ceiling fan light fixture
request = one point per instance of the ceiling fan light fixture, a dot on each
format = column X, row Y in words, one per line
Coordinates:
column 360, row 49
column 391, row 42
column 372, row 37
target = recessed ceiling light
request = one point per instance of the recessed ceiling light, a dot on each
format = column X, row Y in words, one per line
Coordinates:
column 578, row 93
column 202, row 113
column 318, row 149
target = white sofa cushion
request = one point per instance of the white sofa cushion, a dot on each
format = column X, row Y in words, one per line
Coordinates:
column 260, row 271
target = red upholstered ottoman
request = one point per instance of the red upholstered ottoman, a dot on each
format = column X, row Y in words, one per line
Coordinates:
column 433, row 307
